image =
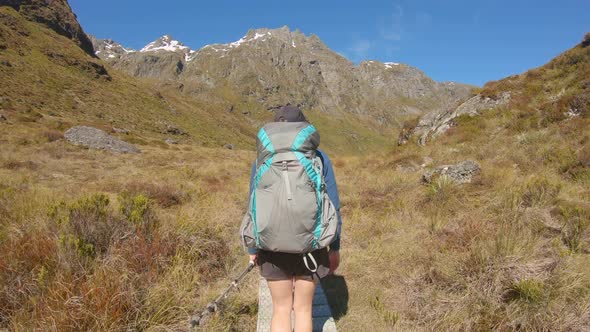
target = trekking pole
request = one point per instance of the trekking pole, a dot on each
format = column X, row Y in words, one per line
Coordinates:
column 201, row 318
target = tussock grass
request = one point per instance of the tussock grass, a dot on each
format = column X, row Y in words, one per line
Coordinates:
column 102, row 241
column 490, row 255
column 107, row 250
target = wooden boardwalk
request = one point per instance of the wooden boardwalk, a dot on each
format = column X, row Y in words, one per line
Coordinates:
column 322, row 315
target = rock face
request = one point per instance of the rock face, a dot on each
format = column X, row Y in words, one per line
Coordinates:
column 108, row 49
column 55, row 14
column 459, row 173
column 277, row 66
column 436, row 123
column 97, row 139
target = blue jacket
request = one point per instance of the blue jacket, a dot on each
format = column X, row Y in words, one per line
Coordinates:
column 331, row 188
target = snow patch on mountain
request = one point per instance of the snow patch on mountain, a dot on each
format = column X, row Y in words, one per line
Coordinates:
column 189, row 56
column 165, row 43
column 245, row 39
column 262, row 36
column 110, row 49
column 387, row 65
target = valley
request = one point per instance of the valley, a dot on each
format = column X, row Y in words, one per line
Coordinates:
column 98, row 240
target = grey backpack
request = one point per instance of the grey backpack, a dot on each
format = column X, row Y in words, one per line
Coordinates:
column 289, row 209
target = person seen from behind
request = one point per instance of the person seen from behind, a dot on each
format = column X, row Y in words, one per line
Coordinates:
column 293, row 224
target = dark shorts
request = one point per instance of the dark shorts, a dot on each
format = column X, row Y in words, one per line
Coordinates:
column 284, row 266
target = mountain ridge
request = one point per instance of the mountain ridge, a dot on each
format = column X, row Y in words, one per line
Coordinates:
column 276, row 66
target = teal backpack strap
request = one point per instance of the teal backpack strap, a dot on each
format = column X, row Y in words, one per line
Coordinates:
column 313, row 175
column 260, row 170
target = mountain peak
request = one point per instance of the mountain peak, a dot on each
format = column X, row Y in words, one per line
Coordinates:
column 252, row 35
column 380, row 65
column 107, row 49
column 282, row 34
column 165, row 43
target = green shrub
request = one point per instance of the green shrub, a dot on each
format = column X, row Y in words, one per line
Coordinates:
column 528, row 290
column 137, row 210
column 78, row 245
column 87, row 226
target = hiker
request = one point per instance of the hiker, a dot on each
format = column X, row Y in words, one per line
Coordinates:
column 293, row 216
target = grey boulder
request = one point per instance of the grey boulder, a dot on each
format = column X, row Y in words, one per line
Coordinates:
column 458, row 173
column 97, row 139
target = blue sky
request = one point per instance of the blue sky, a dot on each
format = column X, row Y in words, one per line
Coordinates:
column 451, row 40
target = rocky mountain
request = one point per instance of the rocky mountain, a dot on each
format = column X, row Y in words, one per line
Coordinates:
column 56, row 84
column 55, row 14
column 264, row 69
column 275, row 66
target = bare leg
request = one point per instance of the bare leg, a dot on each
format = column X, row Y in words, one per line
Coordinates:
column 304, row 290
column 281, row 292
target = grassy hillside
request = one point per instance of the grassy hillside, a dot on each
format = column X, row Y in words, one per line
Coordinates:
column 506, row 252
column 54, row 84
column 553, row 90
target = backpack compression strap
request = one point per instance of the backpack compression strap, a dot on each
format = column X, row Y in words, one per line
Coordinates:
column 265, row 140
column 313, row 174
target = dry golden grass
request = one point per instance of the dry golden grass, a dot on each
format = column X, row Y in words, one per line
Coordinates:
column 507, row 251
column 98, row 241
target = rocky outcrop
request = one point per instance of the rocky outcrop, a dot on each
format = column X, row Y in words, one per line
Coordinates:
column 97, row 139
column 55, row 14
column 436, row 123
column 459, row 173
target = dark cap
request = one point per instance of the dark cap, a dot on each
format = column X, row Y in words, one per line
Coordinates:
column 289, row 113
